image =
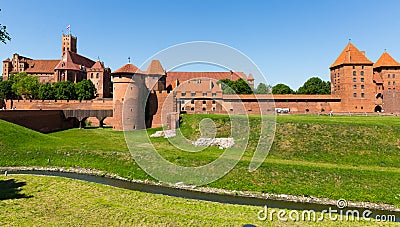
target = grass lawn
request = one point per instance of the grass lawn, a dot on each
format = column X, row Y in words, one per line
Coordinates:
column 52, row 201
column 354, row 158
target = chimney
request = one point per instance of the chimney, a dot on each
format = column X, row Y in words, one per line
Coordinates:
column 363, row 52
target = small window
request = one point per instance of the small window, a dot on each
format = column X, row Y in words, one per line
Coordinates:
column 394, row 82
column 192, row 102
column 355, row 95
column 338, row 87
column 362, row 79
column 354, row 79
column 354, row 86
column 91, row 75
column 214, row 94
column 204, row 94
column 388, row 89
column 362, row 95
column 393, row 76
column 204, row 109
column 362, row 86
column 388, row 82
column 97, row 75
column 193, row 94
column 192, row 108
column 388, row 75
column 362, row 73
column 213, row 102
column 362, row 67
column 354, row 73
column 362, row 107
column 183, row 94
column 204, row 101
column 354, row 67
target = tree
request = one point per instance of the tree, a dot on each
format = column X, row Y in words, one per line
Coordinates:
column 263, row 89
column 64, row 90
column 46, row 92
column 239, row 86
column 85, row 90
column 315, row 86
column 6, row 91
column 282, row 89
column 26, row 86
column 4, row 36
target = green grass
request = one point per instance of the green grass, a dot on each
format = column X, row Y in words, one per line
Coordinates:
column 54, row 201
column 355, row 158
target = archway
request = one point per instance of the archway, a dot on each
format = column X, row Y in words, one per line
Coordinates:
column 378, row 109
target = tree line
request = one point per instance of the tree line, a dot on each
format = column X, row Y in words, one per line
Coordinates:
column 313, row 86
column 21, row 85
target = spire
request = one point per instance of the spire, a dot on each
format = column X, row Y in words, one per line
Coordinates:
column 385, row 60
column 351, row 55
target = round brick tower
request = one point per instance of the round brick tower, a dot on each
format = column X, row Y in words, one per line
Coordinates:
column 129, row 98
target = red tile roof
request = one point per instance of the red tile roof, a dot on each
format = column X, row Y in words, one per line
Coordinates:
column 351, row 55
column 155, row 68
column 184, row 76
column 41, row 66
column 385, row 60
column 127, row 69
column 74, row 61
column 98, row 65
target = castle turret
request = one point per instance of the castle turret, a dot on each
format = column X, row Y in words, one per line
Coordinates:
column 129, row 98
column 156, row 76
column 68, row 44
column 352, row 80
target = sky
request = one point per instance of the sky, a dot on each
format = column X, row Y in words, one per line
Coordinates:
column 289, row 41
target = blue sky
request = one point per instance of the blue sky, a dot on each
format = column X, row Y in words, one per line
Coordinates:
column 289, row 41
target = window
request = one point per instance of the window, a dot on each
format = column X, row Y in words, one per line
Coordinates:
column 388, row 89
column 183, row 94
column 362, row 67
column 204, row 109
column 388, row 82
column 362, row 95
column 354, row 67
column 91, row 75
column 204, row 94
column 355, row 95
column 192, row 108
column 334, row 75
column 192, row 102
column 362, row 86
column 388, row 75
column 193, row 94
column 394, row 82
column 97, row 75
column 354, row 79
column 213, row 102
column 362, row 79
column 204, row 101
column 338, row 87
column 362, row 73
column 354, row 73
column 214, row 94
column 393, row 76
column 354, row 86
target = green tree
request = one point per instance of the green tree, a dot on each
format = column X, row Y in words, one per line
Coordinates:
column 282, row 89
column 85, row 90
column 46, row 92
column 6, row 91
column 64, row 90
column 315, row 86
column 26, row 86
column 239, row 86
column 263, row 89
column 4, row 36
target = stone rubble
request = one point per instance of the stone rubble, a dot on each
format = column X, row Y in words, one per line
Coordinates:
column 165, row 133
column 222, row 143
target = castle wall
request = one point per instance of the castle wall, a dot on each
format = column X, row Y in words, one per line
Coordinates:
column 104, row 104
column 391, row 102
column 44, row 121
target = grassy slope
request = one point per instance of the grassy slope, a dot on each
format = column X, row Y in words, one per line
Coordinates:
column 355, row 158
column 53, row 201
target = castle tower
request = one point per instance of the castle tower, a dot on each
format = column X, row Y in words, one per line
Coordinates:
column 101, row 78
column 250, row 80
column 129, row 98
column 156, row 76
column 352, row 79
column 387, row 80
column 68, row 44
column 7, row 68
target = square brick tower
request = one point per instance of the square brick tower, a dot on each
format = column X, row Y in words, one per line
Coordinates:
column 352, row 79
